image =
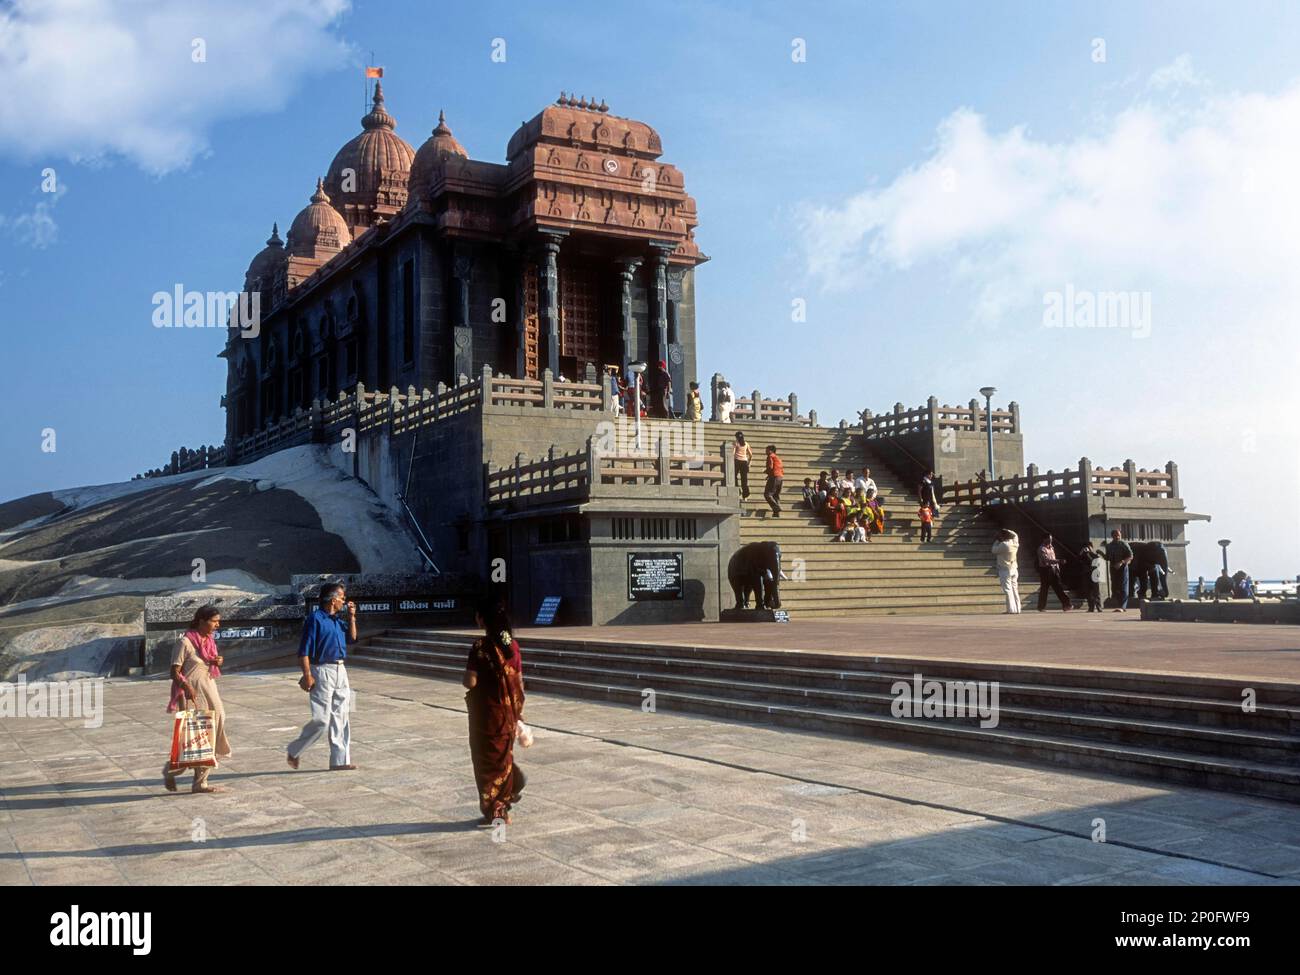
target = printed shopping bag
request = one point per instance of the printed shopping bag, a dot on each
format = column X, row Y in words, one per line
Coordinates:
column 192, row 741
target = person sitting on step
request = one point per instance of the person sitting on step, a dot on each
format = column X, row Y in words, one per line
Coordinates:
column 835, row 512
column 875, row 514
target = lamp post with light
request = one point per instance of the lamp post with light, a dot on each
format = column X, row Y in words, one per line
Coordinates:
column 987, row 392
column 636, row 369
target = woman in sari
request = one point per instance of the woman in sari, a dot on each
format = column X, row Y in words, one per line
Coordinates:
column 875, row 514
column 495, row 700
column 835, row 512
column 196, row 665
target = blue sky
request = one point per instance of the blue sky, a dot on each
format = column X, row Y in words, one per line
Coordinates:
column 922, row 180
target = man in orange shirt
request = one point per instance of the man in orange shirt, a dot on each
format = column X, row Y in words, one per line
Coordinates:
column 775, row 475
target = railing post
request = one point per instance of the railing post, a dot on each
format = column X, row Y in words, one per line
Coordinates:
column 606, row 395
column 898, row 421
column 593, row 471
column 485, row 388
column 932, row 405
column 867, row 422
column 1172, row 470
column 975, row 416
column 1085, row 476
column 794, row 408
column 728, row 464
column 1015, row 416
column 663, row 458
column 440, row 394
column 1031, row 490
column 519, row 460
column 548, row 390
column 715, row 387
column 758, row 405
column 1130, row 469
column 812, row 418
column 550, row 468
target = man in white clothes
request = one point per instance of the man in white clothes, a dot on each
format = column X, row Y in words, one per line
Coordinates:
column 864, row 483
column 726, row 402
column 1005, row 549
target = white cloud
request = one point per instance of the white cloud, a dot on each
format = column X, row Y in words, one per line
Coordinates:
column 89, row 79
column 36, row 228
column 1193, row 199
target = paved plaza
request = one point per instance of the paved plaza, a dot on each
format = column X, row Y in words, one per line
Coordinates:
column 615, row 796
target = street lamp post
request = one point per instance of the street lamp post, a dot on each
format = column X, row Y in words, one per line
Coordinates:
column 637, row 368
column 987, row 392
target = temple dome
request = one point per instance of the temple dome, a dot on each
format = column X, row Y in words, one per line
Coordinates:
column 268, row 260
column 319, row 227
column 380, row 161
column 439, row 147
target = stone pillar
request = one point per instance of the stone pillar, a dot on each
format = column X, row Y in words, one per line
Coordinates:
column 1172, row 470
column 758, row 405
column 932, row 404
column 462, row 332
column 676, row 359
column 548, row 389
column 1015, row 416
column 1130, row 469
column 1031, row 491
column 794, row 408
column 1085, row 477
column 663, row 464
column 485, row 388
column 549, row 300
column 626, row 275
column 659, row 299
column 975, row 416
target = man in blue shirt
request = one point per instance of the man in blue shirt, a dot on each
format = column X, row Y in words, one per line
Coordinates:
column 321, row 652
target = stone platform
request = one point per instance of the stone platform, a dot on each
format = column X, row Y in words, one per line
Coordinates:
column 1104, row 641
column 615, row 796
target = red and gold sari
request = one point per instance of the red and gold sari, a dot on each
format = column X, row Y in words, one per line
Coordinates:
column 495, row 704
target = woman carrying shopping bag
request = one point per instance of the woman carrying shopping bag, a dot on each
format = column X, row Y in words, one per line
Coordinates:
column 196, row 665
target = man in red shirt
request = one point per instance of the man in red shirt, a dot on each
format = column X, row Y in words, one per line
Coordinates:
column 775, row 475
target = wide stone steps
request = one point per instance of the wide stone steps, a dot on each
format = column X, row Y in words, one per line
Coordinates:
column 1175, row 729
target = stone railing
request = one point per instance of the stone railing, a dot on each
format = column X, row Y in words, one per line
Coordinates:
column 590, row 474
column 1126, row 481
column 369, row 411
column 185, row 460
column 922, row 419
column 755, row 407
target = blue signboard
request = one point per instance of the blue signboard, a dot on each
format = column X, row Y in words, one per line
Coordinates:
column 546, row 614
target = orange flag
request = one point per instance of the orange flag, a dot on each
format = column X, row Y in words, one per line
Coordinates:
column 374, row 72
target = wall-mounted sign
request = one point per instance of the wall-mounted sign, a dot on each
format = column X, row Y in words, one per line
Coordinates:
column 546, row 612
column 780, row 616
column 245, row 633
column 410, row 604
column 654, row 575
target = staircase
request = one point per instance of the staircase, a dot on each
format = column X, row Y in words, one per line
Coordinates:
column 895, row 572
column 1180, row 729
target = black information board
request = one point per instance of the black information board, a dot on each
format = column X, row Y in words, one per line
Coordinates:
column 654, row 575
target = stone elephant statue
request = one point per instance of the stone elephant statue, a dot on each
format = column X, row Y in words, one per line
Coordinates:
column 1149, row 570
column 756, row 569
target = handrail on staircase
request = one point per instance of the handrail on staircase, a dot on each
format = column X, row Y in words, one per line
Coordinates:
column 983, row 479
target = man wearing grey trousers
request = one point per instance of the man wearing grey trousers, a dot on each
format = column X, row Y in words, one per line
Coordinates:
column 321, row 653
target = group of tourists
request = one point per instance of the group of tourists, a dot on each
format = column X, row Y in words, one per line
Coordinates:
column 493, row 682
column 1117, row 555
column 656, row 395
